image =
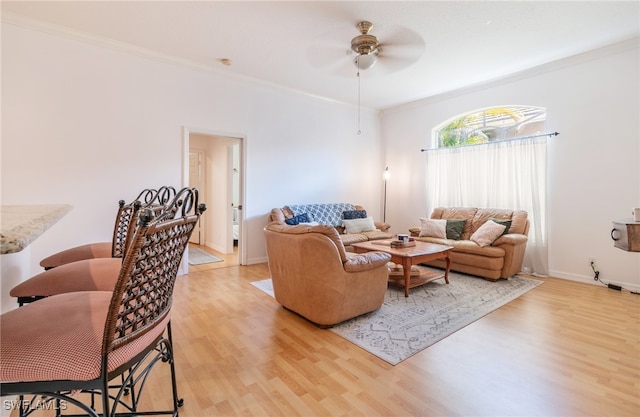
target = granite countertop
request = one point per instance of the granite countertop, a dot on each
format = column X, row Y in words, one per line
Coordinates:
column 22, row 224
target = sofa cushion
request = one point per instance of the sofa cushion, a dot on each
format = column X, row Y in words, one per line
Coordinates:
column 297, row 219
column 433, row 228
column 457, row 213
column 485, row 214
column 487, row 233
column 466, row 246
column 351, row 238
column 519, row 222
column 377, row 234
column 359, row 225
column 354, row 214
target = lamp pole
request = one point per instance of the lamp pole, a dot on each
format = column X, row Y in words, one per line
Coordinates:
column 385, row 175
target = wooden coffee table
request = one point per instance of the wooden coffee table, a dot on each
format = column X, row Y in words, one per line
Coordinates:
column 413, row 255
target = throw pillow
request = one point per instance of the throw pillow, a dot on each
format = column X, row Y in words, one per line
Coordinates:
column 503, row 222
column 354, row 214
column 455, row 228
column 359, row 225
column 433, row 228
column 300, row 218
column 487, row 233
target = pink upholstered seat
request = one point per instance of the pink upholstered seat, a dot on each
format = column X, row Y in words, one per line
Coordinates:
column 60, row 338
column 78, row 253
column 98, row 274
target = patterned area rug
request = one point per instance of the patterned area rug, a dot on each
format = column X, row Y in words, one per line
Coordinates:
column 198, row 257
column 403, row 326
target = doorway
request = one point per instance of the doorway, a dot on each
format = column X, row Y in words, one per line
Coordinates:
column 214, row 164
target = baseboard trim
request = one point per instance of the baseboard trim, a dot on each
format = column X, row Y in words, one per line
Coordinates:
column 589, row 280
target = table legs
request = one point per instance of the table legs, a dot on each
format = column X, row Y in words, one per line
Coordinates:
column 406, row 270
column 446, row 271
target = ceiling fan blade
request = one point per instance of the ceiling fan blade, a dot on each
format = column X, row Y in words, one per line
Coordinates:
column 398, row 36
column 400, row 49
column 325, row 55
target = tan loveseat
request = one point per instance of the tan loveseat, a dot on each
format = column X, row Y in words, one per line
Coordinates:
column 331, row 214
column 501, row 258
column 315, row 277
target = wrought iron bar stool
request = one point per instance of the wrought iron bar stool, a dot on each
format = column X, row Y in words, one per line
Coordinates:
column 57, row 348
column 115, row 248
column 96, row 274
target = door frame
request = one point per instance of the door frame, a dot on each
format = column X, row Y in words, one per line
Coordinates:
column 201, row 170
column 242, row 140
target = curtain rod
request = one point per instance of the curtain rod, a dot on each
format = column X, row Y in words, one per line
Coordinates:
column 506, row 140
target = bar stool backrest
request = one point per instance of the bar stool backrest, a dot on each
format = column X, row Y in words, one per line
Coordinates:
column 143, row 293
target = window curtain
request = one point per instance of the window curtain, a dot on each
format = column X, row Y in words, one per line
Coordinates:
column 509, row 175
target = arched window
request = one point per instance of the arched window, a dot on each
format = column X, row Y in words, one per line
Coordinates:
column 505, row 168
column 491, row 125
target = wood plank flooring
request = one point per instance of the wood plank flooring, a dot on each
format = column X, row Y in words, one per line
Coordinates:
column 562, row 349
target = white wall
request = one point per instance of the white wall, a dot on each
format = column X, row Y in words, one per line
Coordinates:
column 593, row 166
column 87, row 126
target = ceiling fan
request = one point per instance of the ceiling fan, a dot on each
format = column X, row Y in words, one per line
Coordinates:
column 365, row 46
column 391, row 49
column 402, row 47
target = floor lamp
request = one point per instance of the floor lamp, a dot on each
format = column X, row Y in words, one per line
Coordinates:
column 385, row 176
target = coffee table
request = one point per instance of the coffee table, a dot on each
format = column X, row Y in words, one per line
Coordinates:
column 412, row 255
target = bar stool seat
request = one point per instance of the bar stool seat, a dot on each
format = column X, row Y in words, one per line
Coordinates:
column 60, row 338
column 100, row 274
column 78, row 253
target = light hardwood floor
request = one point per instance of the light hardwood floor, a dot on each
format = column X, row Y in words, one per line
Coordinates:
column 562, row 349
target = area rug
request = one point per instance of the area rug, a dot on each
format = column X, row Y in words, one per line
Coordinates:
column 198, row 257
column 403, row 326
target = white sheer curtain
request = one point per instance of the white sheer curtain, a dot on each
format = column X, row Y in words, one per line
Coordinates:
column 510, row 175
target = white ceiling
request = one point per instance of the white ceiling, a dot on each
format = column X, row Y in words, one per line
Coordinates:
column 428, row 47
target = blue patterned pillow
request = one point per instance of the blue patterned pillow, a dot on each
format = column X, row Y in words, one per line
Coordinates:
column 329, row 214
column 300, row 218
column 354, row 214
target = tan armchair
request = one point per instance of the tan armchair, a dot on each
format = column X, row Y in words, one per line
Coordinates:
column 316, row 278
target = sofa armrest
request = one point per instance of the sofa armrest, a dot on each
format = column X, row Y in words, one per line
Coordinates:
column 382, row 226
column 514, row 246
column 513, row 239
column 276, row 215
column 414, row 231
column 357, row 262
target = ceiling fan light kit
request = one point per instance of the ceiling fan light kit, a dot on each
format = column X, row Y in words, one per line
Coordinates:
column 365, row 62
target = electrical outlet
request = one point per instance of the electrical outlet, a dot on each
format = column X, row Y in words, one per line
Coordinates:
column 592, row 261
